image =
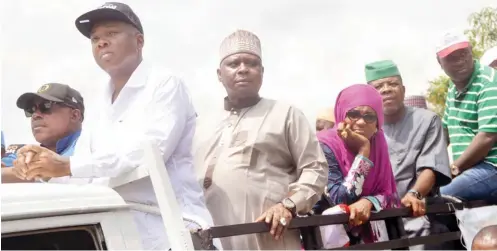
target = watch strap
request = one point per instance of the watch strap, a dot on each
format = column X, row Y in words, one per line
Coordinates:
column 416, row 194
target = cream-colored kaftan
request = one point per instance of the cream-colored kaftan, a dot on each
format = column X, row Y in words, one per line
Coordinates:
column 254, row 159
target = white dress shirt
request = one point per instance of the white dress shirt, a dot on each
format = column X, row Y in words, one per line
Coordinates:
column 153, row 105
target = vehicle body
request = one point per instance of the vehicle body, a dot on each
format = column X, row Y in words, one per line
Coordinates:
column 64, row 216
column 89, row 216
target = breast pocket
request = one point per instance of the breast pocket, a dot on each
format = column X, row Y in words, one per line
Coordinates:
column 239, row 140
column 241, row 151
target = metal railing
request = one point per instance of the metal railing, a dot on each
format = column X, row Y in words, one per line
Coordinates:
column 182, row 239
column 309, row 228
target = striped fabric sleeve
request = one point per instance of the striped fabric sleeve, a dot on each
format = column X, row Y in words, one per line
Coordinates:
column 487, row 108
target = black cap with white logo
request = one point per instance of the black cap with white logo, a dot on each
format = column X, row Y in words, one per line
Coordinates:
column 59, row 93
column 110, row 11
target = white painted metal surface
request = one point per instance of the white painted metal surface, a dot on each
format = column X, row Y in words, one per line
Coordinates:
column 32, row 206
column 178, row 235
column 37, row 206
column 118, row 227
column 28, row 200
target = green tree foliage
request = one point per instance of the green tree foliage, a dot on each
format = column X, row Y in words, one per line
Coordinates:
column 437, row 93
column 483, row 36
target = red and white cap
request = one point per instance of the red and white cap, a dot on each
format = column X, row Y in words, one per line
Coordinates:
column 450, row 42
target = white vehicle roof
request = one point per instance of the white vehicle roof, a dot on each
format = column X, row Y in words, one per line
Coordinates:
column 33, row 200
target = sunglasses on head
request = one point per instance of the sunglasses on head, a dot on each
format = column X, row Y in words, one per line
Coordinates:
column 44, row 107
column 355, row 115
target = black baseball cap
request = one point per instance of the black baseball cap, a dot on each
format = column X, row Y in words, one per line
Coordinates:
column 53, row 92
column 110, row 11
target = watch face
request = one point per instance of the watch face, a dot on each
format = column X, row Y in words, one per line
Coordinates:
column 454, row 170
column 288, row 203
column 416, row 194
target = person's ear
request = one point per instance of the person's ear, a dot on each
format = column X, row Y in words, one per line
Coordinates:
column 140, row 40
column 219, row 78
column 76, row 115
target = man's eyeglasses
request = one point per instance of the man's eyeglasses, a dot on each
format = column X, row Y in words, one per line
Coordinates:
column 355, row 115
column 43, row 107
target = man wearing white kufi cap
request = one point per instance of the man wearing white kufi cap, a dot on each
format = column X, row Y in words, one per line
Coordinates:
column 263, row 162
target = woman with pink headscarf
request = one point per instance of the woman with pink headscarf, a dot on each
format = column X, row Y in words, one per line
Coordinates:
column 360, row 174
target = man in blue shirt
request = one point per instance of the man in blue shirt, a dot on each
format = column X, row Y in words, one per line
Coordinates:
column 56, row 112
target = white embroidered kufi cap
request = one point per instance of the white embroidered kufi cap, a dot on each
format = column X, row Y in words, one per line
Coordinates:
column 240, row 41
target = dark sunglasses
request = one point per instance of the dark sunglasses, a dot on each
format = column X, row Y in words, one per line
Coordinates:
column 44, row 108
column 355, row 115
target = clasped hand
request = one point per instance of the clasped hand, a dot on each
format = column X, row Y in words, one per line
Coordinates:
column 38, row 162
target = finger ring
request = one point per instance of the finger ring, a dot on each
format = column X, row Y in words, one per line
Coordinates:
column 283, row 221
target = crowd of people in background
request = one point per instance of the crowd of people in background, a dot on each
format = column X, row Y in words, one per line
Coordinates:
column 263, row 162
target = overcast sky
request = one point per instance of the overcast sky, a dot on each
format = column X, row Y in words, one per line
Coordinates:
column 311, row 49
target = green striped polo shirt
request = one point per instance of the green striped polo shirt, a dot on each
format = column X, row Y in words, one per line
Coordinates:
column 472, row 110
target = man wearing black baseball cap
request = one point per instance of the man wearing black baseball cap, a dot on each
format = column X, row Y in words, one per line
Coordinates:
column 56, row 112
column 111, row 11
column 139, row 103
column 57, row 93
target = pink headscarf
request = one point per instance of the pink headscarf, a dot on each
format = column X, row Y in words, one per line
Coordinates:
column 380, row 179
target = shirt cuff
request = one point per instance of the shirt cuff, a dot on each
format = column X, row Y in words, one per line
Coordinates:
column 360, row 157
column 300, row 202
column 375, row 202
column 81, row 167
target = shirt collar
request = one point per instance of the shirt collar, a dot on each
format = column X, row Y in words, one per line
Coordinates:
column 137, row 77
column 66, row 142
column 247, row 102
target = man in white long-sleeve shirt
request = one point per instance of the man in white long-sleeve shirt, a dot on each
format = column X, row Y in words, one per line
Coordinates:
column 139, row 103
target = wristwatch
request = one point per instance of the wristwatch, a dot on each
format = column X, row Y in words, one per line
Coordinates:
column 416, row 194
column 290, row 205
column 454, row 170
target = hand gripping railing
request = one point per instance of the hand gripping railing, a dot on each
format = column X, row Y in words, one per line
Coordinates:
column 309, row 227
column 178, row 235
